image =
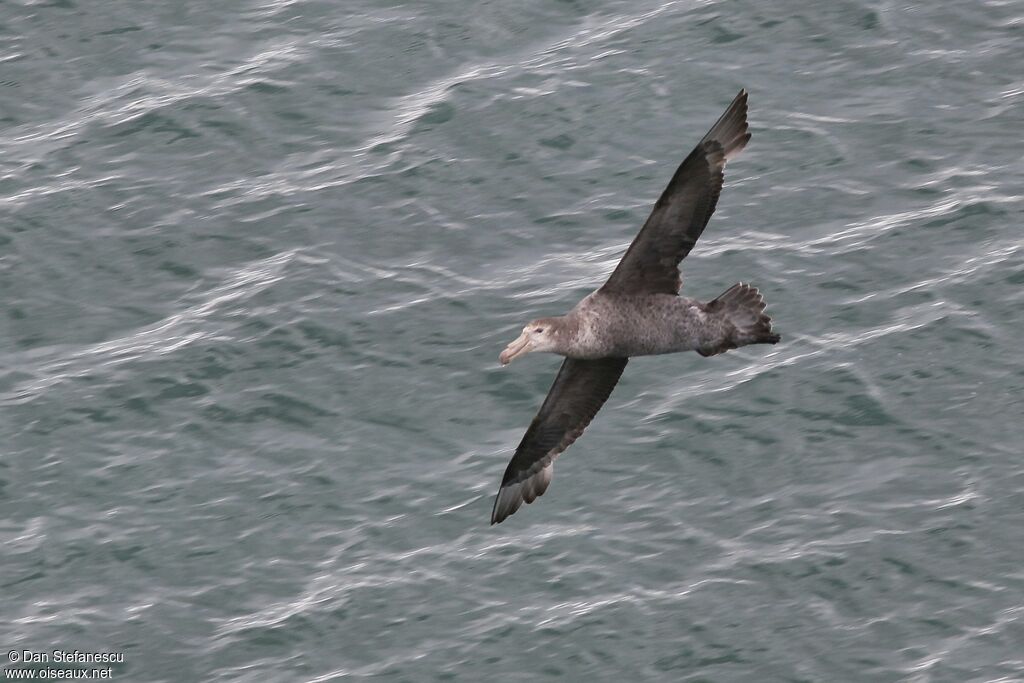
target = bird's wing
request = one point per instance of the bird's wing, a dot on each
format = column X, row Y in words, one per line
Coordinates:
column 579, row 391
column 650, row 265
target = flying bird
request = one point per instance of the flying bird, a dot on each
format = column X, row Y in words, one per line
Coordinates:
column 637, row 312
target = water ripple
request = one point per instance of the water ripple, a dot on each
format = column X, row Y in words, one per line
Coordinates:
column 167, row 336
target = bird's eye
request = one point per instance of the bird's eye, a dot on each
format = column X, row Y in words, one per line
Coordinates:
column 539, row 329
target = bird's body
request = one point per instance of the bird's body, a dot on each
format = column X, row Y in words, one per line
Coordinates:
column 637, row 312
column 623, row 325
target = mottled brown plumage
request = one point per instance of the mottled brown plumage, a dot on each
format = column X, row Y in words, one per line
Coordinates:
column 637, row 312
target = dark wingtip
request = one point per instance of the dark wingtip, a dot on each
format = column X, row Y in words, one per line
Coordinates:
column 507, row 501
column 730, row 130
column 512, row 494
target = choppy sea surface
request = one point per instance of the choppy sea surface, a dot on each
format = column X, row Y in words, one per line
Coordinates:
column 258, row 258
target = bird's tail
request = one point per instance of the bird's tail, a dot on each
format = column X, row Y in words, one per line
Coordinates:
column 743, row 306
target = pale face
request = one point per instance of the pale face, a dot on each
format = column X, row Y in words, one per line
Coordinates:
column 538, row 335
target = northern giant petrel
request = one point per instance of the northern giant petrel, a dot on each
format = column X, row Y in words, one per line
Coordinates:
column 637, row 312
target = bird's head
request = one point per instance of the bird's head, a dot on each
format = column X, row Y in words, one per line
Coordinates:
column 543, row 334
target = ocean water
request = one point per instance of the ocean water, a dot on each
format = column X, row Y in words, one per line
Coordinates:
column 258, row 259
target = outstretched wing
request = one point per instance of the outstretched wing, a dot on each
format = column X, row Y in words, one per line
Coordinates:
column 650, row 265
column 579, row 391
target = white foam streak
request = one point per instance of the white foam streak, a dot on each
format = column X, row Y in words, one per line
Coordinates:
column 364, row 160
column 174, row 332
column 121, row 102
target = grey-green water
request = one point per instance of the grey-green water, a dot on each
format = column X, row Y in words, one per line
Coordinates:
column 258, row 259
